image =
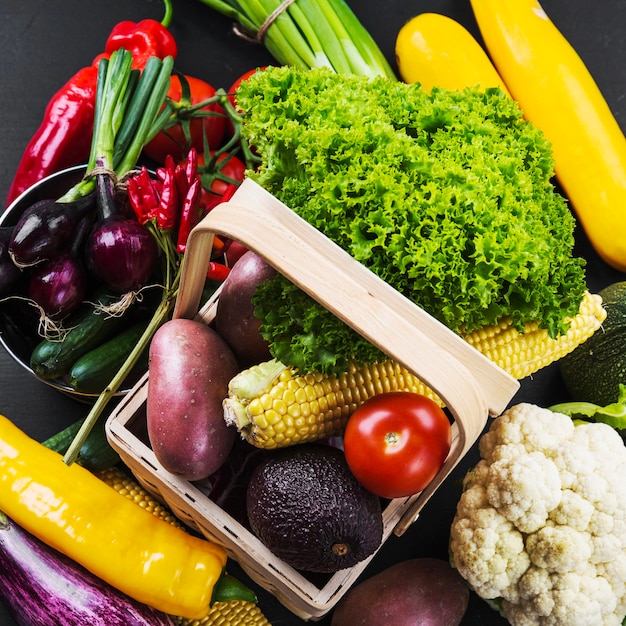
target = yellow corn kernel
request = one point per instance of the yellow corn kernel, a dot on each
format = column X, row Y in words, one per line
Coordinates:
column 522, row 354
column 127, row 486
column 234, row 613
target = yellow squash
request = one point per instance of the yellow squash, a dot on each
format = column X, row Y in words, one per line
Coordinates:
column 557, row 93
column 436, row 51
column 74, row 512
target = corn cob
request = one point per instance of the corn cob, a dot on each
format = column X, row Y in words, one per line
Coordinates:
column 273, row 406
column 124, row 484
column 523, row 354
column 232, row 613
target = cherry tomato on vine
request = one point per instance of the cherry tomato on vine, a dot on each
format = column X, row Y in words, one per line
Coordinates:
column 172, row 140
column 396, row 443
column 231, row 94
column 214, row 188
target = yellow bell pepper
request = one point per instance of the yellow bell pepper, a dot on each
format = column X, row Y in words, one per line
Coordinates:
column 74, row 512
column 436, row 51
column 557, row 93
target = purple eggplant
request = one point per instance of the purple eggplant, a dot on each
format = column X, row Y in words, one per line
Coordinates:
column 40, row 586
column 45, row 229
column 10, row 274
column 121, row 252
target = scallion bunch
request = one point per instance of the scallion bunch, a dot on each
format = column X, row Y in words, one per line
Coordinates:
column 309, row 33
column 128, row 113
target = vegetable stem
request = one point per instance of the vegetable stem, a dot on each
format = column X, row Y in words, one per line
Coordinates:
column 311, row 34
column 161, row 314
column 128, row 107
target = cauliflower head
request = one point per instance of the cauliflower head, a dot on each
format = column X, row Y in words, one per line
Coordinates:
column 541, row 523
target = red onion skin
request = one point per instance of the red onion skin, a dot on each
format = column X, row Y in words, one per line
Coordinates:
column 58, row 286
column 122, row 254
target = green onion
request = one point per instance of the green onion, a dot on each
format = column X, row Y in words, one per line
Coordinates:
column 310, row 33
column 128, row 105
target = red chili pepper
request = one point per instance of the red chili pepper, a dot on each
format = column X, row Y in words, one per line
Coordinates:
column 217, row 271
column 167, row 212
column 64, row 136
column 190, row 214
column 144, row 195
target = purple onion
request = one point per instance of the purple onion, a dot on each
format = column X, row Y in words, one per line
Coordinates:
column 58, row 286
column 122, row 254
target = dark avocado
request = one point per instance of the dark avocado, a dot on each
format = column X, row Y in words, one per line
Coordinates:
column 305, row 505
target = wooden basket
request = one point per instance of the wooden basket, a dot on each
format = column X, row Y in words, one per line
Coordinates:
column 472, row 386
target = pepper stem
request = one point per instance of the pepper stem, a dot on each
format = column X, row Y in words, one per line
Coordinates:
column 169, row 11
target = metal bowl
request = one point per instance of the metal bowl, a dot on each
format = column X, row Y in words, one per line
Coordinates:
column 18, row 320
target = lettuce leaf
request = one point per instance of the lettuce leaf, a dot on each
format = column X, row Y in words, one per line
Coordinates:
column 447, row 196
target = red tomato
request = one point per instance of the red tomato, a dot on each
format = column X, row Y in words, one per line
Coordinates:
column 396, row 443
column 172, row 141
column 234, row 252
column 231, row 94
column 214, row 189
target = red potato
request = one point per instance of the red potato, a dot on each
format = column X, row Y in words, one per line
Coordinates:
column 190, row 368
column 421, row 591
column 234, row 318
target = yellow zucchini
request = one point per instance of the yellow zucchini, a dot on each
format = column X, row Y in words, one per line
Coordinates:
column 557, row 93
column 436, row 51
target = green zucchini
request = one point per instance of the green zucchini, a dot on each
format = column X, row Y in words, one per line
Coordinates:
column 594, row 370
column 95, row 455
column 88, row 328
column 93, row 371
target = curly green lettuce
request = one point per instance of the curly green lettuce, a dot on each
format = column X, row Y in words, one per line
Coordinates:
column 447, row 196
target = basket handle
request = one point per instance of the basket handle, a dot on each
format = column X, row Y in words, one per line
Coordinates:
column 472, row 386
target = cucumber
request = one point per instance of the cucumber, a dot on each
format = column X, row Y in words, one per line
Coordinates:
column 95, row 455
column 88, row 328
column 594, row 370
column 93, row 371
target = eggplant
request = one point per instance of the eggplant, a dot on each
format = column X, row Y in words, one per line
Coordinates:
column 10, row 274
column 45, row 229
column 41, row 587
column 121, row 252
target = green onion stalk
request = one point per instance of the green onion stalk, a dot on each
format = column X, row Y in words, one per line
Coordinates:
column 127, row 115
column 308, row 33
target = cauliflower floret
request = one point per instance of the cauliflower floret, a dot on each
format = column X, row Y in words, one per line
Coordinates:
column 559, row 548
column 579, row 598
column 541, row 523
column 529, row 425
column 489, row 553
column 574, row 510
column 524, row 489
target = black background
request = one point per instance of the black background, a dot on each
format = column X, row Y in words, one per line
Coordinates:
column 43, row 42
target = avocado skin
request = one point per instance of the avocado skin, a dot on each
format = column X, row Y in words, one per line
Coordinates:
column 302, row 501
